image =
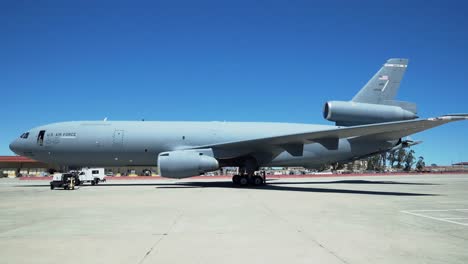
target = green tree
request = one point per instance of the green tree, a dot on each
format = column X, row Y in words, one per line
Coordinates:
column 370, row 164
column 350, row 166
column 323, row 167
column 391, row 157
column 373, row 163
column 420, row 164
column 383, row 164
column 338, row 166
column 409, row 160
column 400, row 157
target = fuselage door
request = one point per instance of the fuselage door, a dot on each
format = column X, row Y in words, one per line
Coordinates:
column 40, row 138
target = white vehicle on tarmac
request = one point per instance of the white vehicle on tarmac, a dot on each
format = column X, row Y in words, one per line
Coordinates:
column 92, row 175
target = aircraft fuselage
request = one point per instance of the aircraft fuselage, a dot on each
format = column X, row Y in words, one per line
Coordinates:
column 138, row 143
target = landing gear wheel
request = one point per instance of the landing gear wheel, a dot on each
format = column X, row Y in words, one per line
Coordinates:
column 257, row 180
column 243, row 181
column 236, row 179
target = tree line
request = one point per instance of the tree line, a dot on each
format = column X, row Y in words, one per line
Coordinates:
column 400, row 159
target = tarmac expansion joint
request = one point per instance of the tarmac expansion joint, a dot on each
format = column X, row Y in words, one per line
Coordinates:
column 161, row 237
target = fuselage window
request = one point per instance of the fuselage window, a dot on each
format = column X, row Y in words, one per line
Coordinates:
column 40, row 138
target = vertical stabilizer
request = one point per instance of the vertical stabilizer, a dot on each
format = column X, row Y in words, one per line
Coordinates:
column 382, row 88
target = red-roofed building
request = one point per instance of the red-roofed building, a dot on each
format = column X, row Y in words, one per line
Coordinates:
column 16, row 159
column 12, row 166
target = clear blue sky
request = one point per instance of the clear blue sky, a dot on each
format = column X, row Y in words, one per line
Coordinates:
column 236, row 61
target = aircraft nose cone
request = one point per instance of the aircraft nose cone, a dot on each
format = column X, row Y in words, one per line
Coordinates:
column 14, row 146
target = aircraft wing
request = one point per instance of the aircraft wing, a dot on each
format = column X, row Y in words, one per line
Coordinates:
column 385, row 131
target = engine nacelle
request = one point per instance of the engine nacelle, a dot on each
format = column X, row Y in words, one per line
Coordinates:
column 186, row 163
column 352, row 113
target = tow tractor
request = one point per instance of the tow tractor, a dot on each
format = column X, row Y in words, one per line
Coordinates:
column 63, row 180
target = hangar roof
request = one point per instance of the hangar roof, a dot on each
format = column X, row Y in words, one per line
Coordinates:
column 16, row 159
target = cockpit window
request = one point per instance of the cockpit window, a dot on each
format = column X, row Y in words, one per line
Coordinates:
column 25, row 135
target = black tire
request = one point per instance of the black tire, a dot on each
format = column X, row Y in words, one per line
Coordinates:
column 243, row 181
column 236, row 179
column 257, row 180
column 52, row 186
column 96, row 180
column 77, row 182
column 93, row 182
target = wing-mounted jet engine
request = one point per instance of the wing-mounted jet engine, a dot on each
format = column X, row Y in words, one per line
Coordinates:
column 186, row 163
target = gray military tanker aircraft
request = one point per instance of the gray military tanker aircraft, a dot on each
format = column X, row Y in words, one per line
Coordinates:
column 371, row 123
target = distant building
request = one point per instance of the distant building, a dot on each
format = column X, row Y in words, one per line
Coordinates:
column 461, row 164
column 15, row 166
column 357, row 166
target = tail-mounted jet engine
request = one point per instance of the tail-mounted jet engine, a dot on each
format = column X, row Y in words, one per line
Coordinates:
column 353, row 113
column 186, row 163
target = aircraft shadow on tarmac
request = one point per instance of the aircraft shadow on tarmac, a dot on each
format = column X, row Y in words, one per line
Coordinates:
column 281, row 187
column 276, row 185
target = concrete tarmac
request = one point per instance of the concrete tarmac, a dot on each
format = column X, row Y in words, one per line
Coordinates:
column 365, row 219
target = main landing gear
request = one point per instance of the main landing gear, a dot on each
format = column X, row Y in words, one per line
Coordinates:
column 249, row 179
column 249, row 173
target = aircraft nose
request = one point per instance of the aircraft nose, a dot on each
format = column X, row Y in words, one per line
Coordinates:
column 15, row 147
